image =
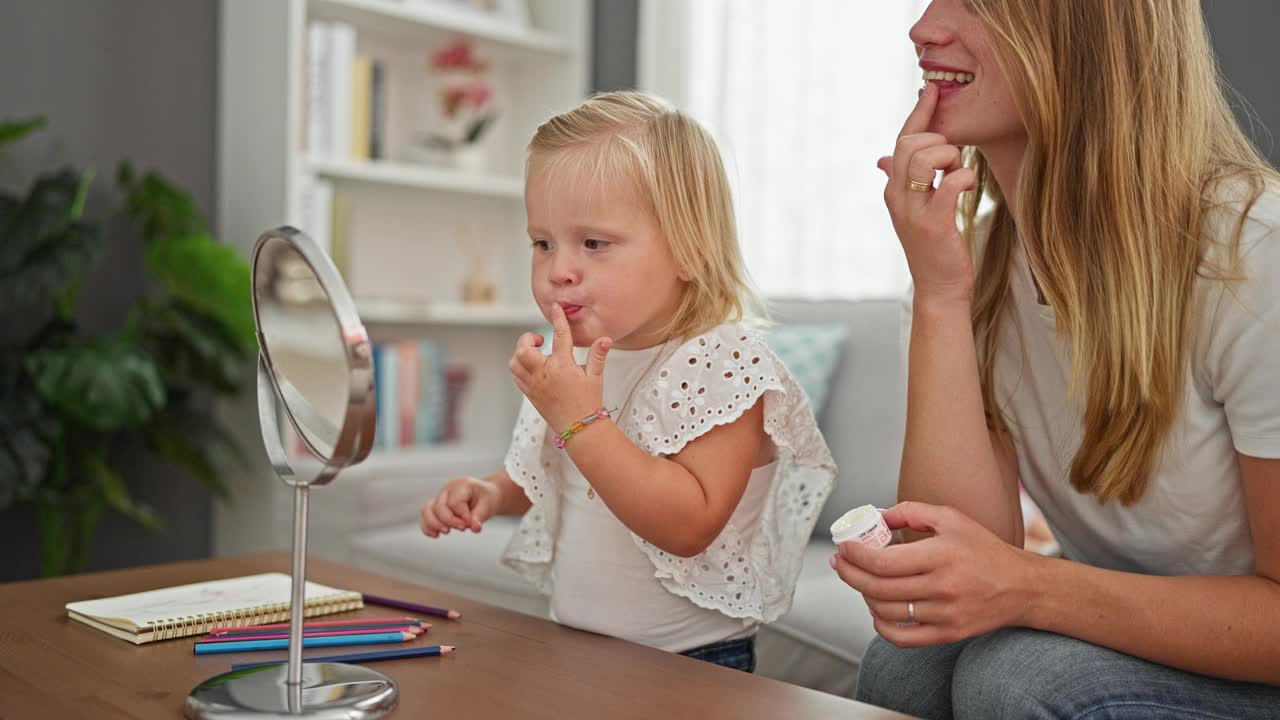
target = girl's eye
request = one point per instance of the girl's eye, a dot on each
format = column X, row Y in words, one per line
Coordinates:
column 594, row 244
column 541, row 245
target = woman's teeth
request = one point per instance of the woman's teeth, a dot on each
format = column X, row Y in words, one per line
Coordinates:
column 957, row 77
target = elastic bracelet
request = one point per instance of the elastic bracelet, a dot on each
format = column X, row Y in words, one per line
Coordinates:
column 579, row 426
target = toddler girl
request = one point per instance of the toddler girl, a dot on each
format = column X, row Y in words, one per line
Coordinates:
column 670, row 484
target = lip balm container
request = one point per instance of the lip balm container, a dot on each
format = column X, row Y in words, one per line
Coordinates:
column 863, row 524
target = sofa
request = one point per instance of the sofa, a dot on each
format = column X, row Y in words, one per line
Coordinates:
column 818, row 644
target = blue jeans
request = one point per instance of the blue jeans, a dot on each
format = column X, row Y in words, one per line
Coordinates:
column 733, row 654
column 1022, row 673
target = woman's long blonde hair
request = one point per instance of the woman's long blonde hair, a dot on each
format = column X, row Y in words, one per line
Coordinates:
column 1130, row 140
column 676, row 168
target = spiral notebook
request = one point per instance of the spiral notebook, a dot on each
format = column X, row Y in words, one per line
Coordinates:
column 194, row 609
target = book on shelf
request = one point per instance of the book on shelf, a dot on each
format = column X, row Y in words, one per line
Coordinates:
column 411, row 380
column 315, row 212
column 361, row 107
column 346, row 95
column 385, row 377
column 340, row 234
column 377, row 111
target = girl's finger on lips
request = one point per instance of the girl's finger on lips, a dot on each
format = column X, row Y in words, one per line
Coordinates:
column 922, row 114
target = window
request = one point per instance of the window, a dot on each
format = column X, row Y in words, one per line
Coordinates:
column 803, row 96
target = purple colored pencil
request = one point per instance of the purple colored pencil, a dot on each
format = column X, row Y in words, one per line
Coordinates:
column 307, row 628
column 412, row 607
column 417, row 630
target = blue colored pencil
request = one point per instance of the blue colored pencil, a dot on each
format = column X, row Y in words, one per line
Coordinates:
column 362, row 657
column 207, row 648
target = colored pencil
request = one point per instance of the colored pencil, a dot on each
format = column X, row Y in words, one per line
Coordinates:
column 413, row 607
column 206, row 648
column 322, row 623
column 377, row 627
column 275, row 635
column 432, row 651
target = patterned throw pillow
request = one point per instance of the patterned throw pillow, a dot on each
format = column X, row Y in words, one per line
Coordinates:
column 810, row 352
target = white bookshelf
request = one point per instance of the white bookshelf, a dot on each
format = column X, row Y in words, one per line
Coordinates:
column 419, row 177
column 382, row 312
column 420, row 20
column 414, row 230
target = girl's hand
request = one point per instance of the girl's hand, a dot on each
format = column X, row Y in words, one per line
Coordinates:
column 464, row 503
column 562, row 391
column 926, row 220
column 963, row 581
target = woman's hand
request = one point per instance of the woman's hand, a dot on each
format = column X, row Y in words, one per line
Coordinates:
column 925, row 220
column 464, row 503
column 962, row 581
column 562, row 391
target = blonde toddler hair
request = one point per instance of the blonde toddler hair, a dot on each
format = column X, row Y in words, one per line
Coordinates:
column 675, row 166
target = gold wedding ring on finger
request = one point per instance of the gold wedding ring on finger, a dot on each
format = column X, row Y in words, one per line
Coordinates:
column 919, row 186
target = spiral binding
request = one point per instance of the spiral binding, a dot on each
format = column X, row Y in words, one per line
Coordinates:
column 187, row 625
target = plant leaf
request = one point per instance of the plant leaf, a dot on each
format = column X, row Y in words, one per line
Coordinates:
column 189, row 453
column 33, row 293
column 51, row 205
column 44, row 253
column 210, row 278
column 116, row 493
column 165, row 210
column 14, row 130
column 192, row 348
column 108, row 385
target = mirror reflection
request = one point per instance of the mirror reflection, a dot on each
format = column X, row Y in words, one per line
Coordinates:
column 303, row 340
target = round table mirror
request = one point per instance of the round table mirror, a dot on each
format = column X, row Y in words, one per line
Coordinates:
column 315, row 378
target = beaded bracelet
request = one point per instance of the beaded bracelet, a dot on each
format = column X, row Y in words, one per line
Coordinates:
column 578, row 426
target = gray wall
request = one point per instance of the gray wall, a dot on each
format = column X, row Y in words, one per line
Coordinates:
column 1243, row 33
column 117, row 79
column 613, row 46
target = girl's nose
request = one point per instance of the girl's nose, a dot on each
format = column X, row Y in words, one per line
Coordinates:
column 933, row 27
column 564, row 270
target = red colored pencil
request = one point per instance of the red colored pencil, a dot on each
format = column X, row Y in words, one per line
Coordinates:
column 307, row 633
column 324, row 623
column 374, row 627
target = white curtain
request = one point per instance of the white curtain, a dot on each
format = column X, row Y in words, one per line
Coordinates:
column 803, row 97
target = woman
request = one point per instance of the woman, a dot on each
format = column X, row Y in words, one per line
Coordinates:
column 1116, row 352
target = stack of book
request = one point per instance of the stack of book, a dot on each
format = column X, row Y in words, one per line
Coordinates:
column 418, row 394
column 346, row 96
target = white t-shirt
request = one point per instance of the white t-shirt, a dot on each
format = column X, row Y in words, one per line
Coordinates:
column 599, row 569
column 1192, row 520
column 604, row 578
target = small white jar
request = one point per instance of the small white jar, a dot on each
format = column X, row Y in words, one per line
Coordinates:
column 863, row 524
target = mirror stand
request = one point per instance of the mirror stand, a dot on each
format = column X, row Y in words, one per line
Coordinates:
column 325, row 690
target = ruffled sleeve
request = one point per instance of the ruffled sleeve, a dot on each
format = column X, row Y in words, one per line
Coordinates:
column 750, row 571
column 534, row 465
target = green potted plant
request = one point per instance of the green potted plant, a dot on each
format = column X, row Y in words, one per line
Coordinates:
column 75, row 406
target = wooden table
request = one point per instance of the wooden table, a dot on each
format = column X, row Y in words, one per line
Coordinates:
column 507, row 665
